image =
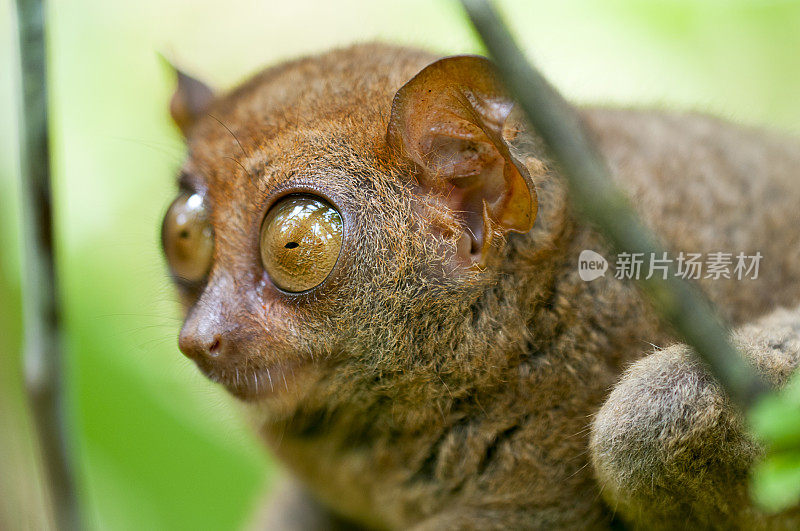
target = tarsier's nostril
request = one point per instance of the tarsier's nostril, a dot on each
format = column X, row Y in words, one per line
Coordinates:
column 216, row 347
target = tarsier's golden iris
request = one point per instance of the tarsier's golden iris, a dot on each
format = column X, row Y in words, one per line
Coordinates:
column 188, row 238
column 300, row 240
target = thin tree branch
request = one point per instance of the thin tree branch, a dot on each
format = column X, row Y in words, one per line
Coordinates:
column 604, row 205
column 42, row 355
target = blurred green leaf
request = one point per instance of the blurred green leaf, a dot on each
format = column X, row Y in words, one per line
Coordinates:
column 776, row 422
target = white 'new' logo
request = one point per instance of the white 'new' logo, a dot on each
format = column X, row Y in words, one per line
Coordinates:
column 591, row 265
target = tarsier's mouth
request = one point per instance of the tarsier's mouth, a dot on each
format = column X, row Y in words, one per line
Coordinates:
column 253, row 382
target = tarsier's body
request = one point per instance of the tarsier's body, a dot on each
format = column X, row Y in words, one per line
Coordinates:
column 449, row 371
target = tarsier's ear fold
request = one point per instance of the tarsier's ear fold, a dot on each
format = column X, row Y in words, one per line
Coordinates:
column 449, row 121
column 189, row 102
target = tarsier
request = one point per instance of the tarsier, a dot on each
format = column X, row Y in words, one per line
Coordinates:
column 376, row 255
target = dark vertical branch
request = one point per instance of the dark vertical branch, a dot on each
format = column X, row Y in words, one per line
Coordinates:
column 41, row 313
column 604, row 205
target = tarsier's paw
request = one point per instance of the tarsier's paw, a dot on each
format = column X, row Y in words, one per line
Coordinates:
column 669, row 450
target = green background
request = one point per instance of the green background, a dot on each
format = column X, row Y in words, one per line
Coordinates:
column 156, row 446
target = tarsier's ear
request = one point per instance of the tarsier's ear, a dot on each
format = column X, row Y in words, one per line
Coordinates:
column 449, row 121
column 190, row 101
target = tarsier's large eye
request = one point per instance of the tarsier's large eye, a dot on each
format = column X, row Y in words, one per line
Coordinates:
column 300, row 242
column 188, row 238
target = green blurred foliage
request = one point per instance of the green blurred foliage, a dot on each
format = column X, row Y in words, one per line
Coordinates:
column 776, row 421
column 156, row 446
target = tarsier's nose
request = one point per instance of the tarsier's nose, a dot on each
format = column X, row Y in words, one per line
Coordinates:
column 201, row 344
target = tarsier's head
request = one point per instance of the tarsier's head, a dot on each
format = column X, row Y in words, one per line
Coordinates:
column 340, row 218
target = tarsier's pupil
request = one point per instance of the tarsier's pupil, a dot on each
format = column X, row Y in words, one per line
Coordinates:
column 312, row 230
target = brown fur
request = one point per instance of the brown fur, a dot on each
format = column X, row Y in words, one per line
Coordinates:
column 418, row 397
column 671, row 451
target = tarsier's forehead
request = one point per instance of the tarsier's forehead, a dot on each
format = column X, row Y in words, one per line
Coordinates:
column 305, row 109
column 236, row 172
